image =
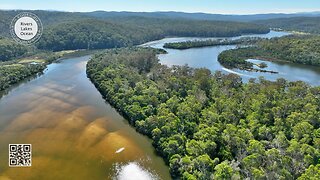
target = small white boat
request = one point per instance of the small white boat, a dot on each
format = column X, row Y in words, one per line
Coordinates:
column 120, row 150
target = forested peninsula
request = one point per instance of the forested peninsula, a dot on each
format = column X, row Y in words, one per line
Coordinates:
column 211, row 42
column 301, row 49
column 212, row 125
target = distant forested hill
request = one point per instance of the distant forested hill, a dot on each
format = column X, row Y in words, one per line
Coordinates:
column 93, row 34
column 304, row 24
column 97, row 30
column 189, row 27
column 65, row 30
column 47, row 18
column 199, row 16
column 129, row 31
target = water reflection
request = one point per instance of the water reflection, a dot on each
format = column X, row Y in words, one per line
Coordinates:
column 208, row 57
column 286, row 70
column 74, row 133
column 133, row 171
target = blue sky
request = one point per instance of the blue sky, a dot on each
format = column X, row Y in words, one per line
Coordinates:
column 208, row 6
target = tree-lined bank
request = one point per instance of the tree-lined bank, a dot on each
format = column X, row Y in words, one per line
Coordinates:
column 212, row 125
column 304, row 49
column 211, row 42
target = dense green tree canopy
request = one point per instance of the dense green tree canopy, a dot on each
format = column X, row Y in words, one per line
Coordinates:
column 189, row 27
column 13, row 73
column 212, row 125
column 211, row 42
column 123, row 32
column 10, row 50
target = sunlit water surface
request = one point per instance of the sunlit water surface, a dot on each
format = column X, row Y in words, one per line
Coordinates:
column 207, row 57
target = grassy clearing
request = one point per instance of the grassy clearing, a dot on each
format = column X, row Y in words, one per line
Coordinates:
column 24, row 61
column 61, row 53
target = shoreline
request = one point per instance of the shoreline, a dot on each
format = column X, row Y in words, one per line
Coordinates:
column 30, row 59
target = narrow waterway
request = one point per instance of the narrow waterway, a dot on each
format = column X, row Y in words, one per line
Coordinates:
column 74, row 133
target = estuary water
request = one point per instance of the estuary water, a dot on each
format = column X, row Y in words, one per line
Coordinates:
column 74, row 133
column 207, row 57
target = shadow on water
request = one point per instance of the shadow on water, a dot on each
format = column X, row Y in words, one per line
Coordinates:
column 26, row 80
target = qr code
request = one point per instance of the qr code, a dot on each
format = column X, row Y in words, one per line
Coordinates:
column 20, row 155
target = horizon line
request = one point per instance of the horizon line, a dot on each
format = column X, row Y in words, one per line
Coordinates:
column 196, row 12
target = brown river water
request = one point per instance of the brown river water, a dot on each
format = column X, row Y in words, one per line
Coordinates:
column 74, row 133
